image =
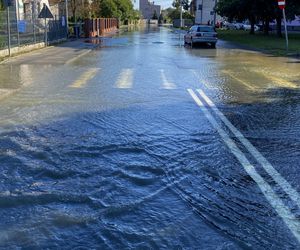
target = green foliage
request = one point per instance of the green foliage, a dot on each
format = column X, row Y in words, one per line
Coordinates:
column 256, row 10
column 108, row 8
column 175, row 14
column 260, row 9
column 185, row 4
column 122, row 9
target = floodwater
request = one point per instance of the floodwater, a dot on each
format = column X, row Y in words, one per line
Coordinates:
column 111, row 151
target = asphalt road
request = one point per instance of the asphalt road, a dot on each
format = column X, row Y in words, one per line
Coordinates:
column 146, row 144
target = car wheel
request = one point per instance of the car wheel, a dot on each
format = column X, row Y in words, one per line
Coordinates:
column 191, row 42
column 213, row 45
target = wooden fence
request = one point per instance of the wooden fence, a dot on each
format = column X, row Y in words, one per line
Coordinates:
column 99, row 26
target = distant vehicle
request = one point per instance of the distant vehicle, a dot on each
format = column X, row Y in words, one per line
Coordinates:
column 238, row 26
column 233, row 26
column 201, row 34
column 228, row 25
column 247, row 26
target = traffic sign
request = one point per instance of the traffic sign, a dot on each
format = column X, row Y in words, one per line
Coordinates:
column 45, row 12
column 8, row 3
column 281, row 4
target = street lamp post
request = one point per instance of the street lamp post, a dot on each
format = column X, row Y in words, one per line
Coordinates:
column 181, row 23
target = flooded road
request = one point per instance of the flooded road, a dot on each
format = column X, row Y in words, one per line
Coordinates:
column 147, row 144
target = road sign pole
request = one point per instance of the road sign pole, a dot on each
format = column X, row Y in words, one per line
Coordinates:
column 46, row 35
column 285, row 28
column 67, row 17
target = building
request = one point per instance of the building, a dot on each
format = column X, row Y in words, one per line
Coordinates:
column 149, row 9
column 204, row 11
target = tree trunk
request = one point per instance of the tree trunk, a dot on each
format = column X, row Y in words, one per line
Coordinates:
column 266, row 26
column 278, row 26
column 252, row 22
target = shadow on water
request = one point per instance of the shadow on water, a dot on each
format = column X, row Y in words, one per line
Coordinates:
column 128, row 178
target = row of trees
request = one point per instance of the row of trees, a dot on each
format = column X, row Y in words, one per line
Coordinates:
column 257, row 11
column 121, row 9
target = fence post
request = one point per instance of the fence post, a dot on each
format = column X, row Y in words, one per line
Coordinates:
column 33, row 19
column 8, row 29
column 18, row 18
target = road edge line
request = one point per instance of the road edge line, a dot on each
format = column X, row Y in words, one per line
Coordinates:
column 284, row 212
column 267, row 166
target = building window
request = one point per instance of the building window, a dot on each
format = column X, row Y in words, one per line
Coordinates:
column 200, row 7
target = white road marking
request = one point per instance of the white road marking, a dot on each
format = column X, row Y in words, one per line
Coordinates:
column 125, row 79
column 166, row 83
column 283, row 183
column 272, row 76
column 77, row 57
column 281, row 82
column 84, row 78
column 284, row 212
column 248, row 85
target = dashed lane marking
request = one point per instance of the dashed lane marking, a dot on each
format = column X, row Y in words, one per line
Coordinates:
column 84, row 78
column 284, row 212
column 125, row 79
column 166, row 84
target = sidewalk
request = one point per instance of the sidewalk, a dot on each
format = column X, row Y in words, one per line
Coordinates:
column 61, row 54
column 58, row 54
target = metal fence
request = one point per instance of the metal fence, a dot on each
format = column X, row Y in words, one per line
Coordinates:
column 26, row 29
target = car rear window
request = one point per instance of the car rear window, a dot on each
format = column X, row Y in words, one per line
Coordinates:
column 205, row 29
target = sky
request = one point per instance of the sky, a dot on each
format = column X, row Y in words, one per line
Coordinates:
column 163, row 3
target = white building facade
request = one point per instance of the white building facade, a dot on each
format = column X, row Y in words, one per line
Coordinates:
column 205, row 13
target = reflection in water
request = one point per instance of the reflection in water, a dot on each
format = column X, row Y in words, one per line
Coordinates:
column 14, row 76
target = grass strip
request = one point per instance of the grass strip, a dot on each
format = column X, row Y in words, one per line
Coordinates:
column 269, row 44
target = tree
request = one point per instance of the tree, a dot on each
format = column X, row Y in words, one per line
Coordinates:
column 161, row 18
column 121, row 9
column 175, row 14
column 185, row 4
column 257, row 10
column 108, row 8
